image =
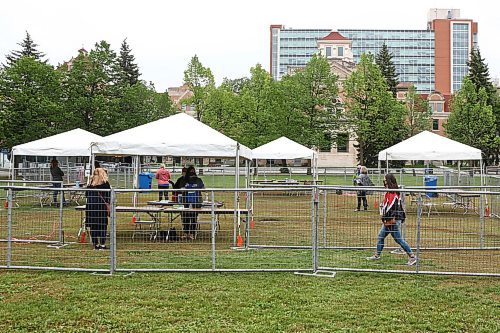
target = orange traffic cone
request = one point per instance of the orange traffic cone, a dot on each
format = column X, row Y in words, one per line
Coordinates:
column 134, row 219
column 487, row 212
column 6, row 204
column 252, row 224
column 83, row 236
column 239, row 241
column 375, row 204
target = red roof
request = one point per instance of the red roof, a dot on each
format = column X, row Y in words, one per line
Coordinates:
column 334, row 35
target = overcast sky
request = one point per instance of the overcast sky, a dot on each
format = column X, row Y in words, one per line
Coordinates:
column 229, row 36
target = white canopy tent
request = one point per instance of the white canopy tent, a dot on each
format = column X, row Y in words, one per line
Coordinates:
column 177, row 135
column 76, row 142
column 286, row 149
column 430, row 146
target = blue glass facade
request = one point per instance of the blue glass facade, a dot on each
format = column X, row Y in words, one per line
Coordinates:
column 413, row 51
column 460, row 54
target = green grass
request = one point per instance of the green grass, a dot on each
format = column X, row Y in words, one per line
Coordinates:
column 250, row 302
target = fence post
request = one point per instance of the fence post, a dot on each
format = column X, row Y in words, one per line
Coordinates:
column 314, row 225
column 9, row 227
column 481, row 220
column 214, row 228
column 419, row 220
column 61, row 204
column 325, row 211
column 112, row 236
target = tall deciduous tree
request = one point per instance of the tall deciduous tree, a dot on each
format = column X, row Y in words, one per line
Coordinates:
column 386, row 65
column 200, row 81
column 28, row 49
column 471, row 120
column 30, row 106
column 130, row 70
column 419, row 112
column 316, row 101
column 91, row 90
column 377, row 119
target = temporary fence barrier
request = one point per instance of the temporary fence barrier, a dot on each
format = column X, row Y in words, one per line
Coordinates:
column 285, row 228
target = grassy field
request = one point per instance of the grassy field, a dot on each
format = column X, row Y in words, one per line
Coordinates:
column 250, row 302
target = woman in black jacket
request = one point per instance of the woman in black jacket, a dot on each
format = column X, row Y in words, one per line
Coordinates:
column 96, row 211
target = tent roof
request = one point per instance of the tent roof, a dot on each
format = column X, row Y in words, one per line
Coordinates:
column 72, row 143
column 177, row 135
column 429, row 146
column 282, row 148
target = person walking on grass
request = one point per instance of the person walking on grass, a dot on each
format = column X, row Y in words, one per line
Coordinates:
column 57, row 176
column 392, row 215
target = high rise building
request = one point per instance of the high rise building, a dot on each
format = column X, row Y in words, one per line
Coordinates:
column 434, row 59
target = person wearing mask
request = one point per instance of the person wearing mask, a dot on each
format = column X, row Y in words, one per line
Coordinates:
column 392, row 214
column 57, row 176
column 97, row 208
column 191, row 199
column 163, row 177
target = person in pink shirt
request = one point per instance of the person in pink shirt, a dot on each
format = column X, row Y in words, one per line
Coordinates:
column 163, row 177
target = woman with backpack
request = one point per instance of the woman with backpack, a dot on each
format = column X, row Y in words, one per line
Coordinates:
column 392, row 214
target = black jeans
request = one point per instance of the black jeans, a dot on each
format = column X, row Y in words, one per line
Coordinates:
column 163, row 193
column 362, row 197
column 57, row 185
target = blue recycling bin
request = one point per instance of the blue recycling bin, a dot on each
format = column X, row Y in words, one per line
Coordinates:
column 430, row 184
column 145, row 180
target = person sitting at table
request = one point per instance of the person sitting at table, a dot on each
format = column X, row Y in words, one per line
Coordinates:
column 191, row 199
column 57, row 176
column 163, row 177
column 96, row 209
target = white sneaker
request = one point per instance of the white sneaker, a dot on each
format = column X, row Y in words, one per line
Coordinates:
column 398, row 251
column 374, row 257
column 412, row 261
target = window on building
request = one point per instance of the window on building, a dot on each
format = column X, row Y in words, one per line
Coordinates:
column 183, row 107
column 343, row 143
column 328, row 52
column 326, row 145
column 340, row 51
column 435, row 124
column 439, row 107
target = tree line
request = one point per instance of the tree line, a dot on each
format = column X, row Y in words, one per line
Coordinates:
column 101, row 91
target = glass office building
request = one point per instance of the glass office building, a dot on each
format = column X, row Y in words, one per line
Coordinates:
column 413, row 51
column 434, row 59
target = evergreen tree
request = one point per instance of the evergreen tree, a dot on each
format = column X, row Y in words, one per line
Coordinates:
column 28, row 49
column 480, row 77
column 386, row 65
column 126, row 60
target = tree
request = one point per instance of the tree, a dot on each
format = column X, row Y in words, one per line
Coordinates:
column 130, row 71
column 200, row 81
column 471, row 121
column 480, row 77
column 28, row 49
column 91, row 91
column 386, row 65
column 377, row 119
column 30, row 102
column 316, row 96
column 419, row 112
